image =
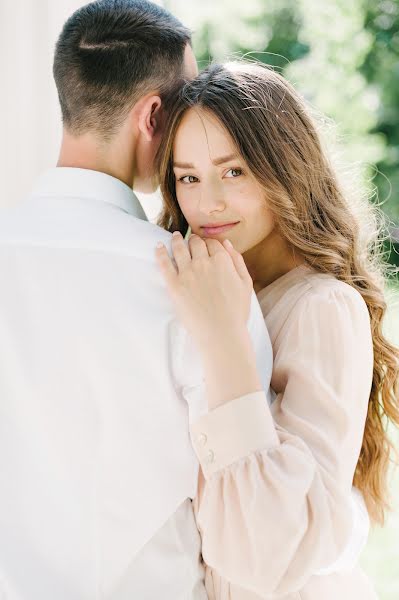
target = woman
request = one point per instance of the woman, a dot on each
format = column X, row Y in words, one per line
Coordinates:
column 243, row 163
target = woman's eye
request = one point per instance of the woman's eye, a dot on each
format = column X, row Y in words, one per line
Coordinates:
column 234, row 172
column 188, row 179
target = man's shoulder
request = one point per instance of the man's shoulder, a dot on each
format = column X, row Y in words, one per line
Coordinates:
column 150, row 230
column 72, row 222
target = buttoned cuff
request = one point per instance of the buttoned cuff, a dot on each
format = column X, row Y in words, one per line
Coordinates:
column 233, row 431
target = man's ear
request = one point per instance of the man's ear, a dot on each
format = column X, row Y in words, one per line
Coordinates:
column 149, row 116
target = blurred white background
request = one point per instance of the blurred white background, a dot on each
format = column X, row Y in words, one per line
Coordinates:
column 30, row 119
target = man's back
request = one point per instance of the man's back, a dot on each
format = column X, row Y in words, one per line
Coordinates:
column 94, row 446
column 98, row 384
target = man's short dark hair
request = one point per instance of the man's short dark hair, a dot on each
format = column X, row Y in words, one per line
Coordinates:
column 109, row 54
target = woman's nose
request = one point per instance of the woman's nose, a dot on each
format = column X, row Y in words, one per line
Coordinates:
column 212, row 199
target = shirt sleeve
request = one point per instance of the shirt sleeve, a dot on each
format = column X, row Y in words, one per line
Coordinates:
column 274, row 502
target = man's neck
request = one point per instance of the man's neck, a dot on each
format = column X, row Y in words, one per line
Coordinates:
column 88, row 152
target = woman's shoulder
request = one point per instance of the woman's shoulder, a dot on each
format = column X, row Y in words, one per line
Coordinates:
column 309, row 295
column 326, row 285
column 322, row 294
column 319, row 307
column 303, row 283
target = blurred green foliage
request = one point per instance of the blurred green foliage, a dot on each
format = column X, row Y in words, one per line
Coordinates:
column 381, row 70
column 343, row 55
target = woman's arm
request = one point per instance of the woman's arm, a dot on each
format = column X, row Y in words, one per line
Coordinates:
column 212, row 292
column 229, row 365
column 270, row 516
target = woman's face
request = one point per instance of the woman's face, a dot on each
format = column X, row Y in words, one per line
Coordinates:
column 213, row 186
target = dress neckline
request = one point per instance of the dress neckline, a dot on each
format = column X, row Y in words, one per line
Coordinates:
column 269, row 295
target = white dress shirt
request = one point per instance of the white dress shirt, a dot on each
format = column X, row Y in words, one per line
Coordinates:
column 98, row 384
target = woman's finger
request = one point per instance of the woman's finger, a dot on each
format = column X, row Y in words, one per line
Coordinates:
column 214, row 246
column 238, row 261
column 181, row 252
column 166, row 266
column 198, row 247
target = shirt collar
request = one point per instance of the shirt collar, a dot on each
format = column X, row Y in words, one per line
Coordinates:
column 85, row 183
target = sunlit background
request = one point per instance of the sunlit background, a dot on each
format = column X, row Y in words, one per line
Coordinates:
column 343, row 55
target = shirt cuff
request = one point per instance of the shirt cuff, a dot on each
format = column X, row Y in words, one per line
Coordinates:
column 233, row 431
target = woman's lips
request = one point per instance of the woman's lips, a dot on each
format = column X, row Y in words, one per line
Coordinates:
column 220, row 229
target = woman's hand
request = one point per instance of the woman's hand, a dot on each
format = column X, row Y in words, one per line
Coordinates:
column 210, row 287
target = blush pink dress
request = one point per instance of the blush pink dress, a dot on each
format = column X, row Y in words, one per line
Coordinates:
column 273, row 499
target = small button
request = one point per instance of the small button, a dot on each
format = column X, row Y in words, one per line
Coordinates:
column 210, row 457
column 202, row 439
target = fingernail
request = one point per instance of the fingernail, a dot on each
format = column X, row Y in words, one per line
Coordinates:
column 228, row 243
column 176, row 234
column 160, row 245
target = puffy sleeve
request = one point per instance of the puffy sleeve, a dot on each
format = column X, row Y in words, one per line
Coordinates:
column 274, row 494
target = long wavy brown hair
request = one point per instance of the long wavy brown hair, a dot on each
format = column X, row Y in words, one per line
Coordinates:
column 277, row 136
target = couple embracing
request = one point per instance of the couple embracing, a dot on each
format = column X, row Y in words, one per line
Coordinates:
column 192, row 409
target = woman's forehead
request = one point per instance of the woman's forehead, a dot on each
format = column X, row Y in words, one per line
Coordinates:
column 200, row 132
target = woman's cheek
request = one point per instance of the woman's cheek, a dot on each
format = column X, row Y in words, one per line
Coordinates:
column 181, row 201
column 185, row 207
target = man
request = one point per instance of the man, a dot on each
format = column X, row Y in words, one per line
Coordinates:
column 98, row 382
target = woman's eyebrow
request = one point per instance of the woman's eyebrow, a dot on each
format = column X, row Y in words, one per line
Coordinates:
column 183, row 165
column 224, row 159
column 216, row 161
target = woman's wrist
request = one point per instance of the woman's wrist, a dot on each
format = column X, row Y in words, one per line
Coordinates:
column 221, row 335
column 229, row 364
